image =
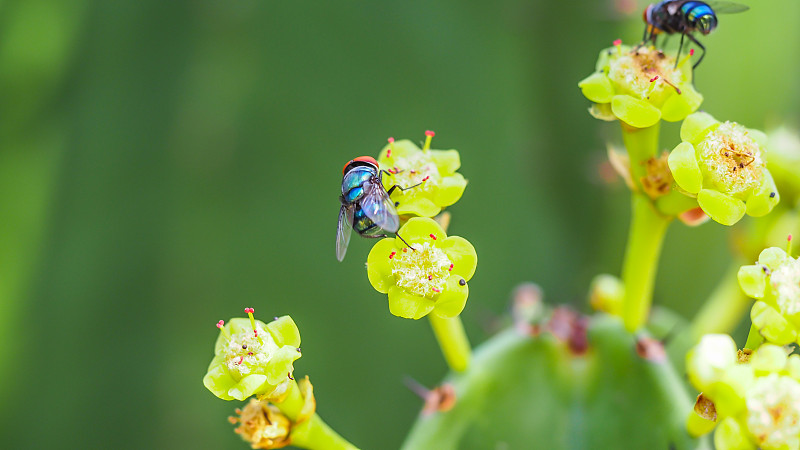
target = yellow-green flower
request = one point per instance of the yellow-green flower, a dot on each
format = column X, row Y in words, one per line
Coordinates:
column 774, row 281
column 431, row 277
column 433, row 172
column 753, row 401
column 784, row 162
column 640, row 86
column 724, row 166
column 253, row 358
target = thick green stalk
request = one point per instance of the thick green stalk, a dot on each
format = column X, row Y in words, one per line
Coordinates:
column 453, row 341
column 646, row 232
column 313, row 433
column 725, row 307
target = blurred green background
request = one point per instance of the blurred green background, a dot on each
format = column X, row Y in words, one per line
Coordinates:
column 164, row 164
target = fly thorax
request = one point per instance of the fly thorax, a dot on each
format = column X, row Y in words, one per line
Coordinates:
column 249, row 352
column 424, row 271
column 645, row 73
column 785, row 281
column 730, row 159
column 773, row 411
column 414, row 169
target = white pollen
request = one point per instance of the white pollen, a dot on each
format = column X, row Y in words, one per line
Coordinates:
column 413, row 169
column 423, row 272
column 773, row 411
column 785, row 281
column 730, row 159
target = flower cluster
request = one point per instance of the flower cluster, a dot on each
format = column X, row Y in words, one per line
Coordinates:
column 253, row 358
column 640, row 86
column 431, row 172
column 752, row 399
column 774, row 281
column 431, row 276
column 724, row 166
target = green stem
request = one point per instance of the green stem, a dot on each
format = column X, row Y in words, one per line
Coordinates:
column 725, row 307
column 646, row 233
column 453, row 341
column 754, row 338
column 313, row 433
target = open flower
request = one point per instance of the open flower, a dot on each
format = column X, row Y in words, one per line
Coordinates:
column 774, row 281
column 753, row 401
column 430, row 277
column 253, row 358
column 640, row 86
column 433, row 172
column 784, row 161
column 724, row 166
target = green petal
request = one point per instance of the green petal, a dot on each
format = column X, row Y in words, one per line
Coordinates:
column 793, row 366
column 247, row 386
column 602, row 111
column 417, row 205
column 768, row 358
column 722, row 208
column 280, row 365
column 462, row 254
column 597, row 88
column 420, row 229
column 752, row 280
column 731, row 435
column 675, row 203
column 218, row 379
column 696, row 126
column 772, row 257
column 450, row 190
column 447, row 161
column 728, row 393
column 402, row 148
column 284, row 332
column 764, row 197
column 772, row 325
column 636, row 113
column 453, row 298
column 678, row 106
column 379, row 265
column 682, row 163
column 407, row 305
column 698, row 426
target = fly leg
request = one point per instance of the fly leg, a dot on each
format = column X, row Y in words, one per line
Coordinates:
column 380, row 236
column 680, row 47
column 693, row 39
column 397, row 186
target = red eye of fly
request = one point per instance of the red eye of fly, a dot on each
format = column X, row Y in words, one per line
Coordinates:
column 366, row 159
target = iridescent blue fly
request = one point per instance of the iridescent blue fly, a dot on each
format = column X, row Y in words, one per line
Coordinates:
column 366, row 206
column 685, row 17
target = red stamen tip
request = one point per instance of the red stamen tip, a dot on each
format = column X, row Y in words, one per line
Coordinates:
column 426, row 178
column 436, row 290
column 220, row 324
column 249, row 310
column 432, row 236
column 392, row 255
column 618, row 42
column 654, row 78
column 255, row 332
column 430, row 277
column 789, row 238
column 451, row 267
column 389, row 153
column 241, row 358
column 405, row 249
column 391, row 140
column 691, row 52
column 430, row 133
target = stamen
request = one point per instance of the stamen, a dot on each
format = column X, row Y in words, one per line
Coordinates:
column 436, row 290
column 221, row 326
column 673, row 86
column 426, row 178
column 405, row 249
column 430, row 277
column 250, row 312
column 392, row 255
column 391, row 147
column 652, row 87
column 241, row 359
column 428, row 136
column 686, row 58
column 451, row 268
column 618, row 44
column 432, row 236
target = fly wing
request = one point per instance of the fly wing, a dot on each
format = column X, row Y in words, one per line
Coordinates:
column 380, row 208
column 343, row 230
column 722, row 7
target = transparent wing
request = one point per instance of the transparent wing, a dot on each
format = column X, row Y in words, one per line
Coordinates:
column 722, row 7
column 343, row 230
column 380, row 208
